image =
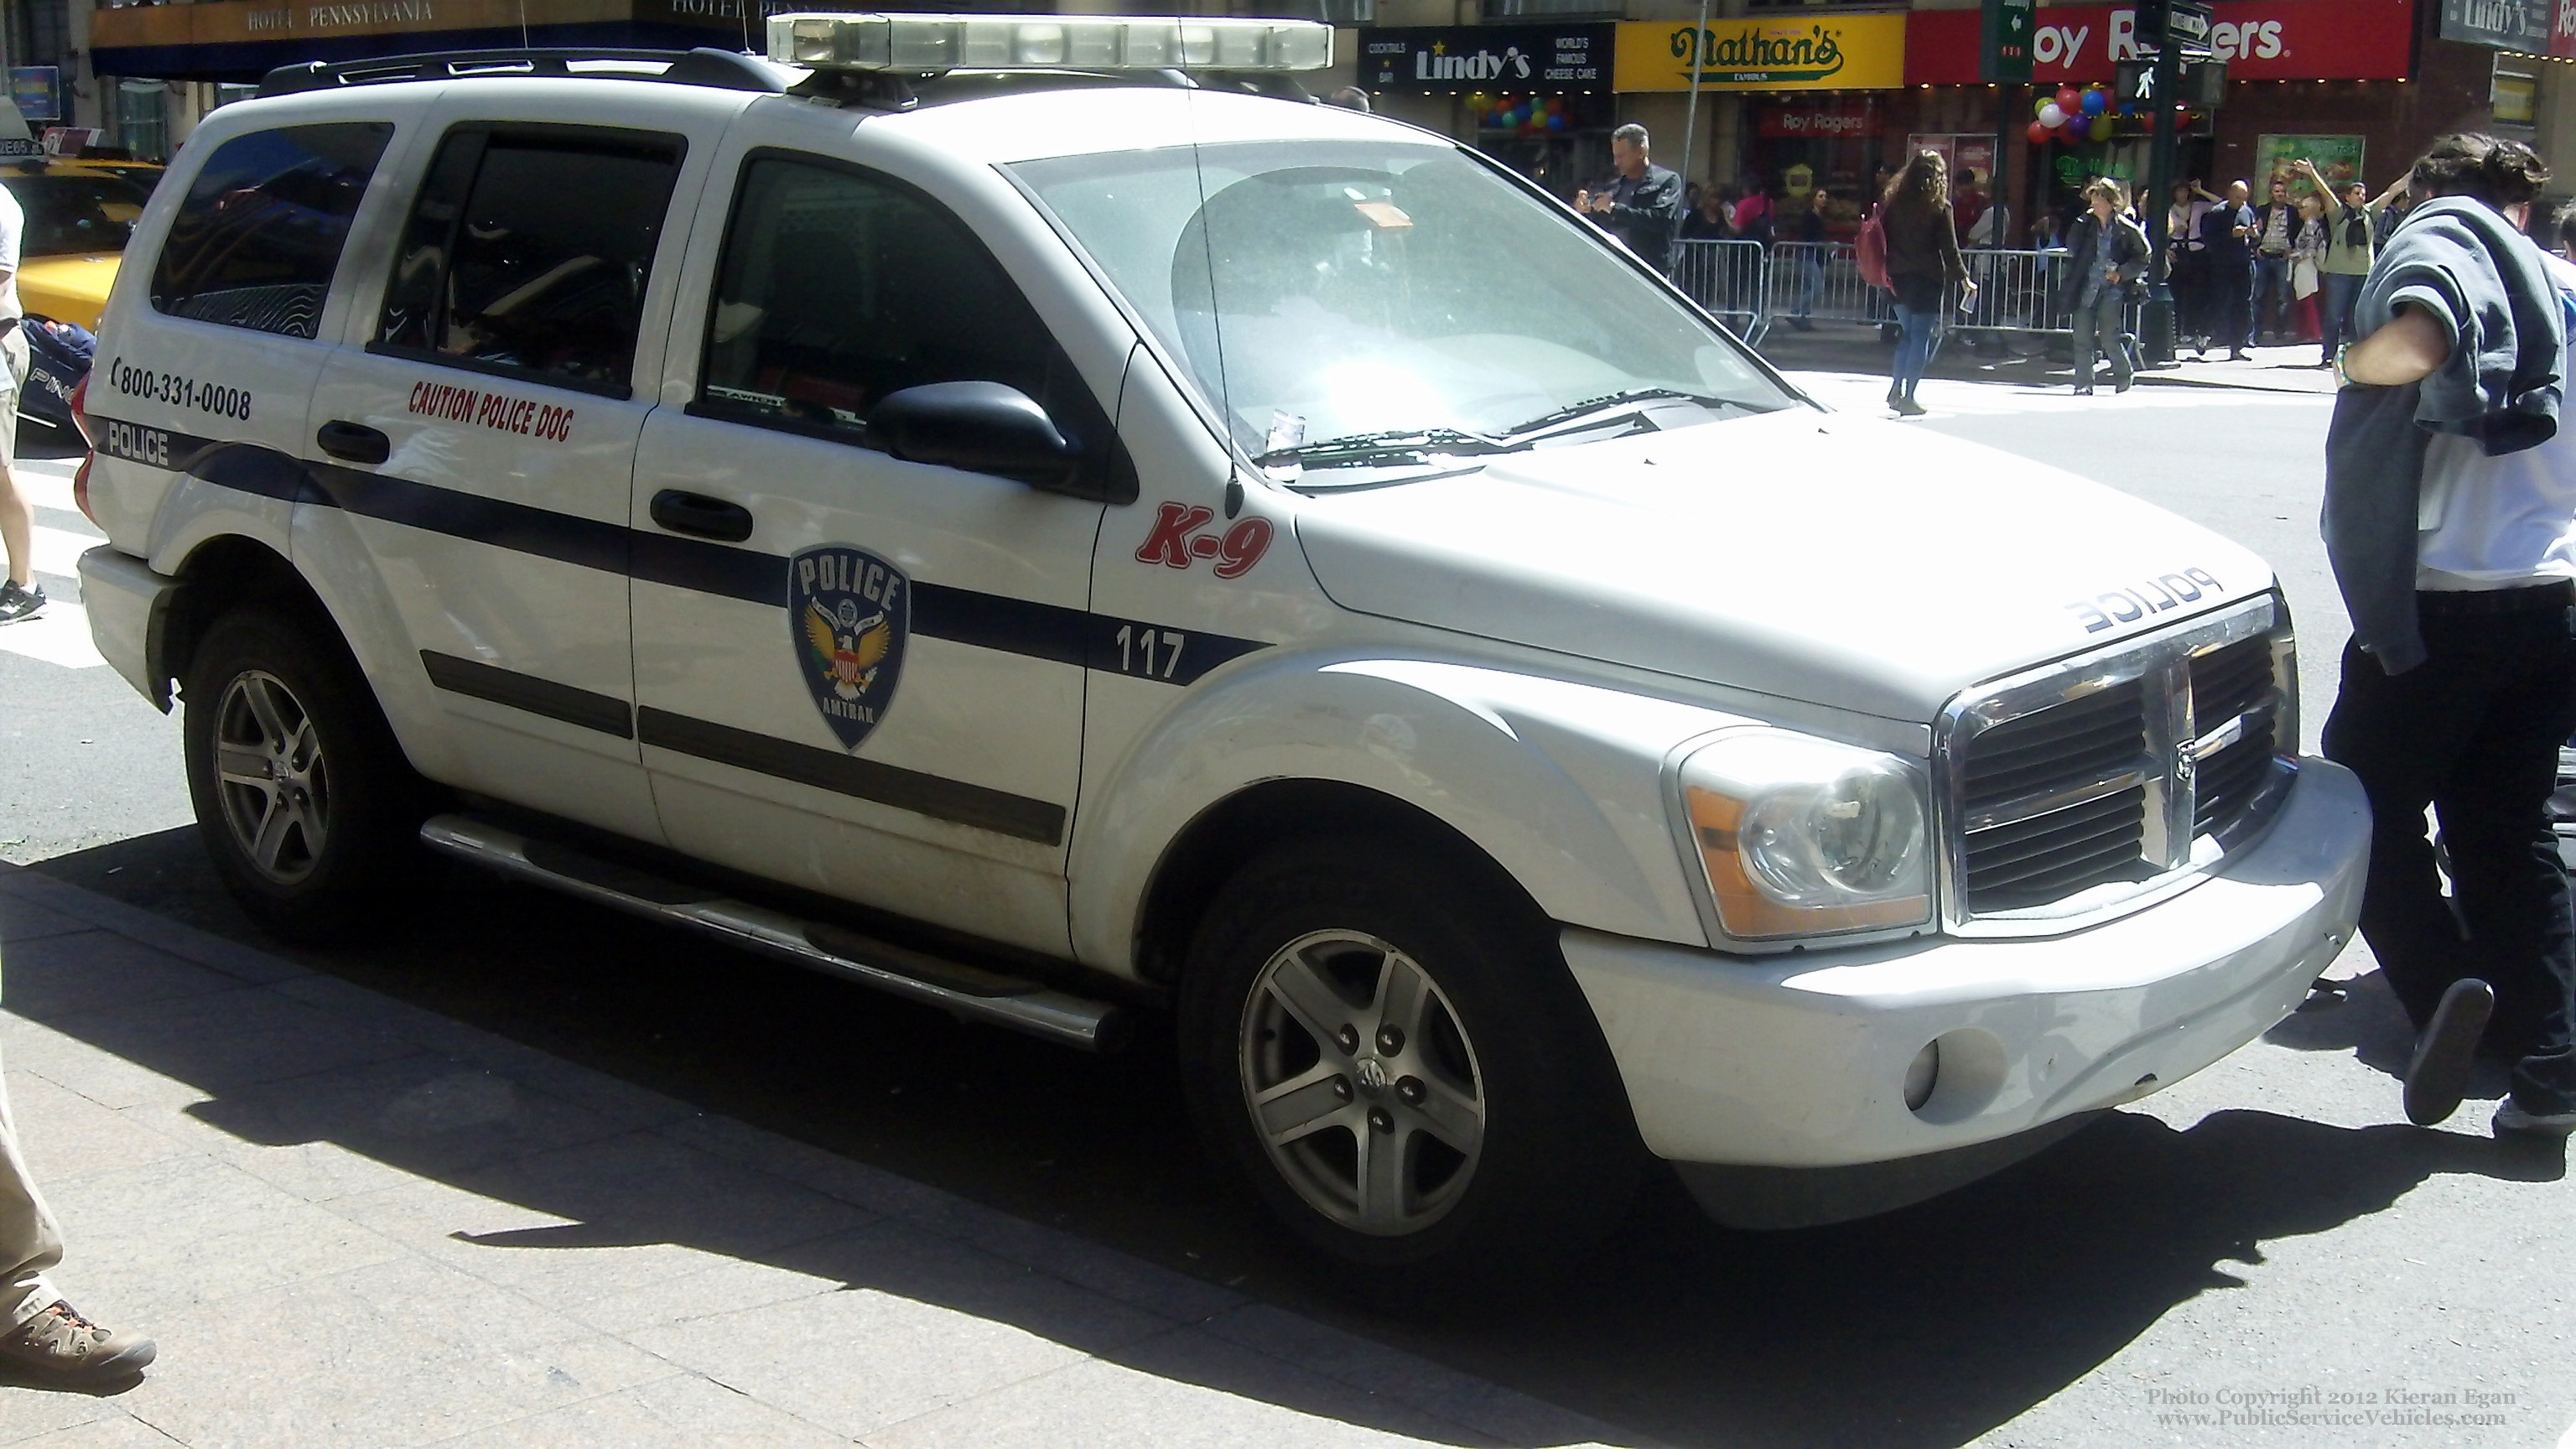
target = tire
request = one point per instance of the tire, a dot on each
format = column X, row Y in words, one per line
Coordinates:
column 302, row 795
column 1513, row 1146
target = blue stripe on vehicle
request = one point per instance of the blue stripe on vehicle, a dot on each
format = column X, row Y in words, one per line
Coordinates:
column 940, row 611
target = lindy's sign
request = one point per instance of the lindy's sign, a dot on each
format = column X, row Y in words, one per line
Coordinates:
column 1487, row 57
column 1832, row 52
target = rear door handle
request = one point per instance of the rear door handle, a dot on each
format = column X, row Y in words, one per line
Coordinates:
column 353, row 442
column 695, row 513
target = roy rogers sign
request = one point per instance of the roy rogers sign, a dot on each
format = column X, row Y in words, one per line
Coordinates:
column 1837, row 53
column 2259, row 40
column 1440, row 59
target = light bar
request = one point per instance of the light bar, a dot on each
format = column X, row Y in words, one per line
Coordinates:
column 833, row 41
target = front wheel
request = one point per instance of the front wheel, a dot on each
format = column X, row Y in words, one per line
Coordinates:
column 1397, row 1062
column 302, row 795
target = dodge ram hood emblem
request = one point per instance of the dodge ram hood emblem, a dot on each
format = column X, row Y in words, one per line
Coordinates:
column 850, row 614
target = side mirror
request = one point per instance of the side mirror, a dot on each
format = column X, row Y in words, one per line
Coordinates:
column 981, row 427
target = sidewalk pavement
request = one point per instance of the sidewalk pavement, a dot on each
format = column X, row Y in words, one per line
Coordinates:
column 1845, row 347
column 349, row 1221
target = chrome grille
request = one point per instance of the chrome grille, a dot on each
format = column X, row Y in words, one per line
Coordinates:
column 2075, row 788
column 2233, row 683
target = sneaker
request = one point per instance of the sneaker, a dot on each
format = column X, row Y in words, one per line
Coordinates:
column 19, row 603
column 60, row 1344
column 2438, row 1076
column 1907, row 407
column 2512, row 1120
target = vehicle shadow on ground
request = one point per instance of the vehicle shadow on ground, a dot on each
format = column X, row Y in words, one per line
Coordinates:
column 1924, row 1327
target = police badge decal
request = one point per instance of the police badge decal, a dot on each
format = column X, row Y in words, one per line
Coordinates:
column 851, row 614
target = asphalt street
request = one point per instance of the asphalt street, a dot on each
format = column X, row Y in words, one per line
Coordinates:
column 2264, row 1253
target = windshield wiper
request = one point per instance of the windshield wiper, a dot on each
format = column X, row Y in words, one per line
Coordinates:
column 1628, row 397
column 1403, row 445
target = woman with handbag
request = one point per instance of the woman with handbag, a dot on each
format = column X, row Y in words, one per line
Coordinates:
column 2106, row 260
column 1922, row 258
column 2307, row 257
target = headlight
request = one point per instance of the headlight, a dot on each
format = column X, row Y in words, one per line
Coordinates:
column 1803, row 837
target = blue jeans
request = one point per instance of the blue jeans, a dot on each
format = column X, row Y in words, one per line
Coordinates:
column 2334, row 318
column 2271, row 280
column 1913, row 347
column 1811, row 285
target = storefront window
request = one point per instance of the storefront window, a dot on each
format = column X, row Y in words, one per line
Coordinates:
column 1562, row 142
column 143, row 119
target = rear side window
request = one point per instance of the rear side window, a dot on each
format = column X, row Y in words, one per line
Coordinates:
column 529, row 251
column 259, row 234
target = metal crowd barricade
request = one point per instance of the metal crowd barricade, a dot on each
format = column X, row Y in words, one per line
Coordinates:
column 1815, row 282
column 1731, row 279
column 1753, row 288
column 2017, row 291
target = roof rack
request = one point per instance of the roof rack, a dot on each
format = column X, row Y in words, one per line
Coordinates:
column 719, row 69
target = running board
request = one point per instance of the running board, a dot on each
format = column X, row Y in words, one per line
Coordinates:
column 971, row 993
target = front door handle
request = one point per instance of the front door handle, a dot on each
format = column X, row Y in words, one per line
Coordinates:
column 695, row 513
column 353, row 442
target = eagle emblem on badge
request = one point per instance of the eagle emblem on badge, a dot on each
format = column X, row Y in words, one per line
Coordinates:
column 851, row 613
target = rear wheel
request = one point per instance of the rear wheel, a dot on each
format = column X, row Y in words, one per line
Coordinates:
column 304, row 799
column 1395, row 1059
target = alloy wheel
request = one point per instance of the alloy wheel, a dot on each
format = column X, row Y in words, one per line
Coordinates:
column 1361, row 1082
column 275, row 786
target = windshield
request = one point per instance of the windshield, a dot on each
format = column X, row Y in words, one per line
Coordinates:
column 70, row 215
column 1332, row 296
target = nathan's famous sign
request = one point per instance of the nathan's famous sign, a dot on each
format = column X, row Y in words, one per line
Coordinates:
column 1846, row 53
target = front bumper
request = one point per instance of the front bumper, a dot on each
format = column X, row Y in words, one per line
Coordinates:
column 1800, row 1061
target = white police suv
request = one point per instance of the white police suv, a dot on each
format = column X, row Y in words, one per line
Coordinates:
column 1003, row 510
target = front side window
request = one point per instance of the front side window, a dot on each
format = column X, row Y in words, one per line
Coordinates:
column 1342, row 300
column 529, row 252
column 258, row 237
column 839, row 287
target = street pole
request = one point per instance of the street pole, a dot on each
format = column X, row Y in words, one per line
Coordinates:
column 2156, row 328
column 1690, row 125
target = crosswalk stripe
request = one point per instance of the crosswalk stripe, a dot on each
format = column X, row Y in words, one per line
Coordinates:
column 44, row 490
column 58, row 551
column 60, row 635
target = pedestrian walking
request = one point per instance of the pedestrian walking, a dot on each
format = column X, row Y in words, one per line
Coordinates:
column 2276, row 230
column 1812, row 237
column 21, row 597
column 2450, row 519
column 2184, row 264
column 42, row 1337
column 1641, row 203
column 2350, row 247
column 1922, row 259
column 2227, row 248
column 2107, row 256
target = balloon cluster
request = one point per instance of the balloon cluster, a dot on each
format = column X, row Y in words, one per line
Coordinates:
column 1527, row 115
column 2073, row 115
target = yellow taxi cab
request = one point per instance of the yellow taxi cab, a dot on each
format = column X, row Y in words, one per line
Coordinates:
column 78, row 216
